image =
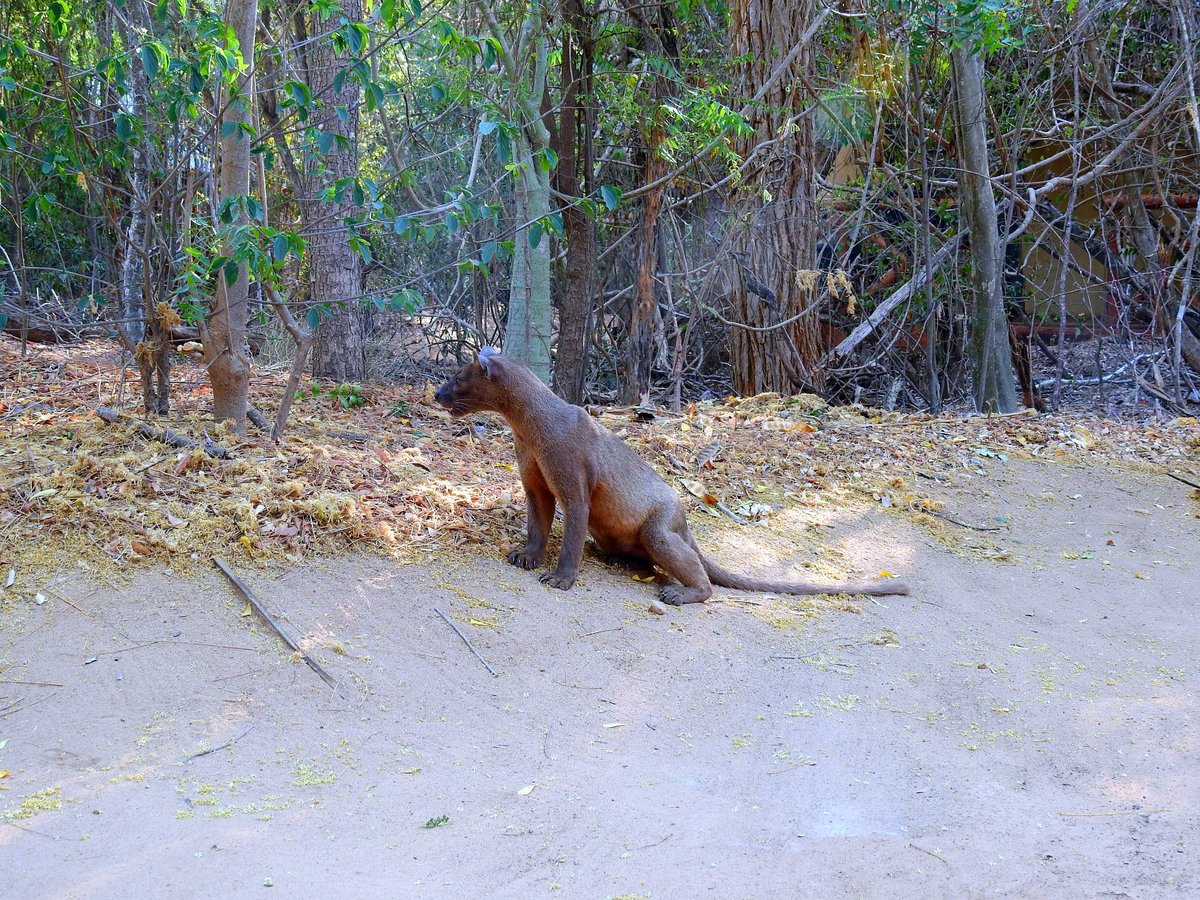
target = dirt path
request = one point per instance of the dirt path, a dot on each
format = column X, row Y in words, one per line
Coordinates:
column 1015, row 728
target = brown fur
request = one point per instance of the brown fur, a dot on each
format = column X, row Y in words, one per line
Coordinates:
column 567, row 458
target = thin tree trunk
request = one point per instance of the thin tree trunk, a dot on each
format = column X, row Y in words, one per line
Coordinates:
column 140, row 329
column 994, row 386
column 225, row 350
column 639, row 346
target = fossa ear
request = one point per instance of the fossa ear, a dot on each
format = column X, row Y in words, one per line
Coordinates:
column 489, row 359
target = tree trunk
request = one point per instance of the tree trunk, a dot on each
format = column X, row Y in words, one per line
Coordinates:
column 775, row 282
column 573, row 178
column 994, row 385
column 225, row 352
column 527, row 329
column 335, row 268
column 639, row 346
column 656, row 29
column 139, row 323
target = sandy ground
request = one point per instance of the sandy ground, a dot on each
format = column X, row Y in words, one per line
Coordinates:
column 1022, row 726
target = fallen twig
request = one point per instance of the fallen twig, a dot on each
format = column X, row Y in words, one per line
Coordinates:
column 952, row 521
column 1180, row 478
column 656, row 843
column 257, row 419
column 228, row 743
column 725, row 509
column 793, row 767
column 9, row 710
column 930, row 852
column 105, row 551
column 274, row 623
column 1162, row 396
column 163, row 435
column 470, row 646
column 36, row 683
column 238, row 675
column 1117, row 812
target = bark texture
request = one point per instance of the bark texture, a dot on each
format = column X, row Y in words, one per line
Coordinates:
column 774, row 281
column 573, row 178
column 335, row 269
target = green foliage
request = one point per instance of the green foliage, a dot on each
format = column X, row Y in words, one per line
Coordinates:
column 348, row 396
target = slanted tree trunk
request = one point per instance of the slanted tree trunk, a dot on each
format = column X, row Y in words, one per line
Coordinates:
column 573, row 178
column 994, row 385
column 335, row 268
column 225, row 351
column 774, row 280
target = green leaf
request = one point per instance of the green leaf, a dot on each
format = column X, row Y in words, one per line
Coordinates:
column 363, row 248
column 354, row 34
column 406, row 301
column 280, row 247
column 325, row 142
column 375, row 96
column 149, row 61
column 300, row 93
column 611, row 196
column 59, row 11
column 488, row 251
column 503, row 146
column 547, row 159
column 535, row 234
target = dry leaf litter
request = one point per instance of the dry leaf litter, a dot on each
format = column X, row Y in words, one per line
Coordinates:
column 399, row 476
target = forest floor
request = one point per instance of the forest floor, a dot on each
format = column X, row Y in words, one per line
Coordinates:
column 1025, row 724
column 1020, row 726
